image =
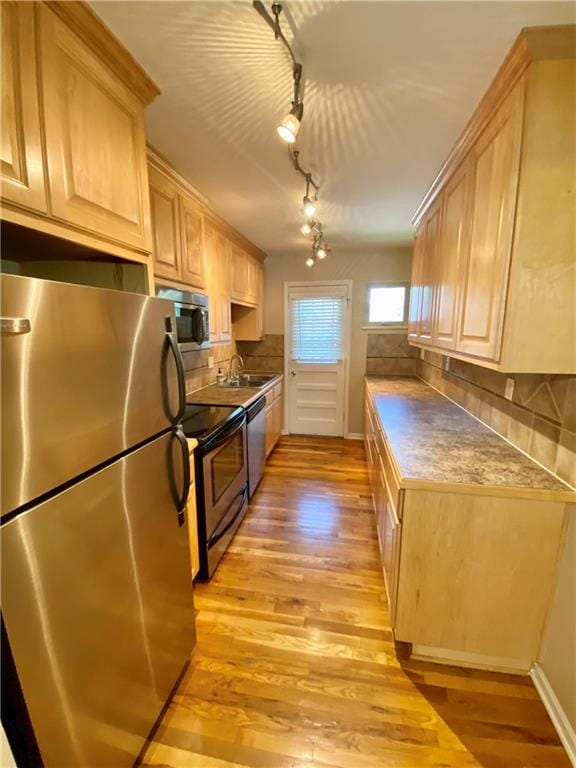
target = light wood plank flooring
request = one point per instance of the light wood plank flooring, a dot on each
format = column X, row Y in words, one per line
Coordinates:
column 295, row 665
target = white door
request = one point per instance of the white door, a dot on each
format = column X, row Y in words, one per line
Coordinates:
column 317, row 336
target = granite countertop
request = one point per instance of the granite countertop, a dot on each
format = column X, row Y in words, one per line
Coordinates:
column 244, row 396
column 433, row 440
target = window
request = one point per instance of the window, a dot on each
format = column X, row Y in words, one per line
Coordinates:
column 317, row 328
column 388, row 304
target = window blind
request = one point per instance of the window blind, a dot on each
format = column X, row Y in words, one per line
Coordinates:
column 317, row 328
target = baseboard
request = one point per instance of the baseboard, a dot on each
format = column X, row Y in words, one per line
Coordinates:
column 563, row 726
column 469, row 660
column 354, row 436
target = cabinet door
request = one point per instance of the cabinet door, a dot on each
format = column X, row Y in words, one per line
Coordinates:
column 191, row 227
column 429, row 274
column 253, row 269
column 416, row 284
column 496, row 158
column 222, row 244
column 239, row 272
column 452, row 256
column 21, row 162
column 391, row 555
column 269, row 422
column 212, row 277
column 94, row 140
column 277, row 419
column 165, row 227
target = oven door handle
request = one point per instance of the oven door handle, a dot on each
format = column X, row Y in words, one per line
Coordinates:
column 220, row 532
column 173, row 347
column 224, row 434
column 182, row 501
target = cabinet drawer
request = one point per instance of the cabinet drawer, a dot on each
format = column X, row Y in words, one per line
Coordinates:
column 270, row 396
column 388, row 472
column 278, row 390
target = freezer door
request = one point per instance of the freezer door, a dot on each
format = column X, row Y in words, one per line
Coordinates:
column 98, row 607
column 86, row 374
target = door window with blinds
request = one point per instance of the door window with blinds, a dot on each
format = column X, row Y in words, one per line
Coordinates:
column 317, row 325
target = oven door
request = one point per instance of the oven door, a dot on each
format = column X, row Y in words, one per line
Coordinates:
column 225, row 473
column 192, row 326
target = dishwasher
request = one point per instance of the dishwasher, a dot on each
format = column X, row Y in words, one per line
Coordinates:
column 256, row 433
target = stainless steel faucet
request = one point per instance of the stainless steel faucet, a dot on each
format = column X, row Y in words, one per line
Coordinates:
column 233, row 374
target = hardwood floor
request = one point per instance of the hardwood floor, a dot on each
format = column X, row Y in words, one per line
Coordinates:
column 295, row 665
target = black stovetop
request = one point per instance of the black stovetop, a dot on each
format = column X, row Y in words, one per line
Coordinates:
column 205, row 421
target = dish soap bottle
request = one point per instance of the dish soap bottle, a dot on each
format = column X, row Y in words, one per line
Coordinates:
column 220, row 377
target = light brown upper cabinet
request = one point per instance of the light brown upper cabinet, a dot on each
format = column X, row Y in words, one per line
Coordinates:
column 72, row 94
column 193, row 262
column 496, row 231
column 165, row 226
column 454, row 248
column 22, row 166
column 246, row 271
column 178, row 247
column 218, row 282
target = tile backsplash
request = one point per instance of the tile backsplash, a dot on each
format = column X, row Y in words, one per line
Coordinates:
column 540, row 419
column 266, row 355
column 198, row 374
column 390, row 353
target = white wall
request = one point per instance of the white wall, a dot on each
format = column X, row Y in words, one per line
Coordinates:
column 362, row 267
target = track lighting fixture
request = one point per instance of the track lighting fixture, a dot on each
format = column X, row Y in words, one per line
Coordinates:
column 290, row 125
column 308, row 206
column 288, row 131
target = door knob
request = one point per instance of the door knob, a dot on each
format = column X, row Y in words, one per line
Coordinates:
column 292, row 373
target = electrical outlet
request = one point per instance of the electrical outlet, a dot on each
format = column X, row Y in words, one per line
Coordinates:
column 509, row 393
column 211, row 362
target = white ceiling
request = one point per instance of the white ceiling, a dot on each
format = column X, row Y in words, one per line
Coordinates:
column 388, row 88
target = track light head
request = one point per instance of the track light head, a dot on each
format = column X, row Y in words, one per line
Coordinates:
column 308, row 206
column 290, row 125
column 321, row 252
column 310, row 261
column 308, row 227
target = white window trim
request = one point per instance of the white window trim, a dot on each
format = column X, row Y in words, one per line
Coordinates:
column 391, row 326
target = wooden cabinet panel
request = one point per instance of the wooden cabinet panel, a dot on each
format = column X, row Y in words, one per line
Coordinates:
column 391, row 553
column 429, row 273
column 211, row 261
column 193, row 270
column 21, row 161
column 239, row 274
column 414, row 310
column 476, row 573
column 165, row 226
column 223, row 287
column 452, row 256
column 94, row 140
column 496, row 158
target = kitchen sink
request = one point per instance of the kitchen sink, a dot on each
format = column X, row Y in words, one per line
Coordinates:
column 255, row 380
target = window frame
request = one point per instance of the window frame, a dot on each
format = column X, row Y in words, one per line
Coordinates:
column 391, row 324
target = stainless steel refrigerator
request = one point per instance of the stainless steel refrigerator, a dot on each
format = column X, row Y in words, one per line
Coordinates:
column 97, row 604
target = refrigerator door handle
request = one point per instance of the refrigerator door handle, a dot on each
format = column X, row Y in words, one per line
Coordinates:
column 183, row 499
column 14, row 326
column 173, row 347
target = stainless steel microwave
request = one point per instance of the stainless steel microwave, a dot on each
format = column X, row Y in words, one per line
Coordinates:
column 192, row 319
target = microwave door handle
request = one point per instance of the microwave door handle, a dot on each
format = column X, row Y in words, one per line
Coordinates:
column 182, row 501
column 173, row 347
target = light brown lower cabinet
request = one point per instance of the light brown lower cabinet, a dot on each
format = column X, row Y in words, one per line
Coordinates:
column 273, row 414
column 191, row 515
column 469, row 575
